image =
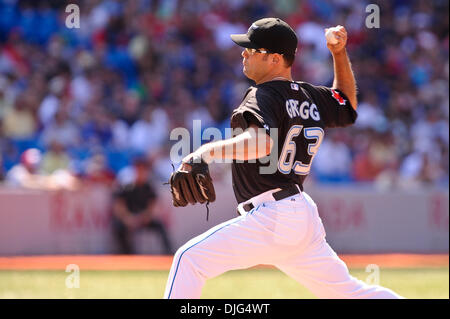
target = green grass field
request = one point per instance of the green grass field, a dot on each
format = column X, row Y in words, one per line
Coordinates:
column 252, row 284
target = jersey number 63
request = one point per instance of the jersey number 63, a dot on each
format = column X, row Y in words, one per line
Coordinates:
column 286, row 161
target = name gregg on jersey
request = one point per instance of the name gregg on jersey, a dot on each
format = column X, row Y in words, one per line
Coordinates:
column 305, row 110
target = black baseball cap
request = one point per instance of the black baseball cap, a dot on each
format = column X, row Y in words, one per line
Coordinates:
column 273, row 34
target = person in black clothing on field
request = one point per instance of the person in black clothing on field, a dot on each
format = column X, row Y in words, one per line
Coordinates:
column 133, row 208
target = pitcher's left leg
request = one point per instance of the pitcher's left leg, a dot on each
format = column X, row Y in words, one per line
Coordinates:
column 235, row 244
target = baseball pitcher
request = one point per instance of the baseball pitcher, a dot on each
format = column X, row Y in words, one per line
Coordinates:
column 278, row 222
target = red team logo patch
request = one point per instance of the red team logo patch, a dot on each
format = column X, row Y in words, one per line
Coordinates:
column 338, row 97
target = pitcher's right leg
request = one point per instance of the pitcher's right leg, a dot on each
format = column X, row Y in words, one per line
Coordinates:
column 319, row 269
column 327, row 276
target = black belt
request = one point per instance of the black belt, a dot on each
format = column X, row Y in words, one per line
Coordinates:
column 279, row 195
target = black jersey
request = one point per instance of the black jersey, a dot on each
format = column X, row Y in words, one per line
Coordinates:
column 299, row 112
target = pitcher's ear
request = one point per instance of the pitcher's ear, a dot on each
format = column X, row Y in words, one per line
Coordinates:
column 276, row 58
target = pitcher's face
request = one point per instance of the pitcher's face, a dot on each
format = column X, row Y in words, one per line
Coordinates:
column 256, row 63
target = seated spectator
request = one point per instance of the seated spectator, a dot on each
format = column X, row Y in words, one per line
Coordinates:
column 61, row 130
column 133, row 208
column 28, row 174
column 121, row 127
column 333, row 162
column 419, row 168
column 154, row 123
column 51, row 103
column 97, row 130
column 97, row 172
column 18, row 121
column 364, row 168
column 55, row 158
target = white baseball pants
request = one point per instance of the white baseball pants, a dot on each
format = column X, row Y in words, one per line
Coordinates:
column 287, row 234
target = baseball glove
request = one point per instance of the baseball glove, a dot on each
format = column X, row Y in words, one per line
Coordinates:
column 192, row 187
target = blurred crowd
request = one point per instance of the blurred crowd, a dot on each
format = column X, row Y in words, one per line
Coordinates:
column 87, row 101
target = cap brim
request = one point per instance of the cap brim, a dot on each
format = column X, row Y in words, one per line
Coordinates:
column 243, row 41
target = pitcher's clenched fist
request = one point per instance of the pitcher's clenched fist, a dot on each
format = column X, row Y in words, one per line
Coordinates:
column 340, row 35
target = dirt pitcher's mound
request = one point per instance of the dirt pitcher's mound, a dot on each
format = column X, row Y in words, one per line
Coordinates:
column 145, row 262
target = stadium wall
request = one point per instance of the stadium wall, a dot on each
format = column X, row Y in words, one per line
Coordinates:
column 357, row 220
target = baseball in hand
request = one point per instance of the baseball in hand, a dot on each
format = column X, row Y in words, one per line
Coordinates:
column 329, row 35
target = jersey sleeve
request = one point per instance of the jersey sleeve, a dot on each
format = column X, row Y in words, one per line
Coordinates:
column 334, row 106
column 258, row 108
